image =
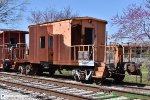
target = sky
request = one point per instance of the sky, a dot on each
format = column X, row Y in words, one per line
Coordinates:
column 102, row 9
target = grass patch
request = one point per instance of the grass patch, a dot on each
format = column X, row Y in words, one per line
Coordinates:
column 133, row 96
column 64, row 72
column 106, row 96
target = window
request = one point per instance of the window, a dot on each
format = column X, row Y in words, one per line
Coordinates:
column 50, row 41
column 42, row 42
column 12, row 41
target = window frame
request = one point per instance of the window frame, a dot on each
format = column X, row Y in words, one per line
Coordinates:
column 42, row 42
column 50, row 41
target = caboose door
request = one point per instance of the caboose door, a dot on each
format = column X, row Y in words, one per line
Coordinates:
column 89, row 36
column 50, row 48
column 89, row 40
column 86, row 56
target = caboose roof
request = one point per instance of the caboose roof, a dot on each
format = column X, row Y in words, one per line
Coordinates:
column 12, row 30
column 74, row 18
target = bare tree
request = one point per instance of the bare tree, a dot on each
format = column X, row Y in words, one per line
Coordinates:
column 68, row 13
column 51, row 14
column 10, row 10
column 148, row 4
column 134, row 23
column 36, row 17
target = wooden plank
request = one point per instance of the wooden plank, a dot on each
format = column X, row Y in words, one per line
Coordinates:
column 101, row 69
column 99, row 74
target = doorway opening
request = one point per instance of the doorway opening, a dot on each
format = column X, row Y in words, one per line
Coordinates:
column 89, row 36
column 12, row 41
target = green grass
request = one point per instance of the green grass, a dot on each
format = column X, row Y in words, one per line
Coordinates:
column 64, row 72
column 115, row 95
column 133, row 96
column 106, row 96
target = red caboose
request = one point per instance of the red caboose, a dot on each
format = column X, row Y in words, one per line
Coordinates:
column 76, row 44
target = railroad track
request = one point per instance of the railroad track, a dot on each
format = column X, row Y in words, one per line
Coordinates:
column 68, row 90
column 131, row 90
column 61, row 89
column 57, row 82
column 144, row 89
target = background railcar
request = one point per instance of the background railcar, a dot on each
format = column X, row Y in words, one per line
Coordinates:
column 12, row 47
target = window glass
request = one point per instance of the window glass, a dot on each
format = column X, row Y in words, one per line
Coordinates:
column 42, row 42
column 50, row 41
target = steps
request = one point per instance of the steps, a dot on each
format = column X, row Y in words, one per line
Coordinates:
column 99, row 71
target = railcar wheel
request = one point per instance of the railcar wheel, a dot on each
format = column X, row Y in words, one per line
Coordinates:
column 119, row 76
column 28, row 69
column 22, row 69
column 6, row 67
column 82, row 75
column 75, row 75
column 76, row 78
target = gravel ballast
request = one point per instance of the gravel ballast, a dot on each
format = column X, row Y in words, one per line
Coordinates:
column 6, row 94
